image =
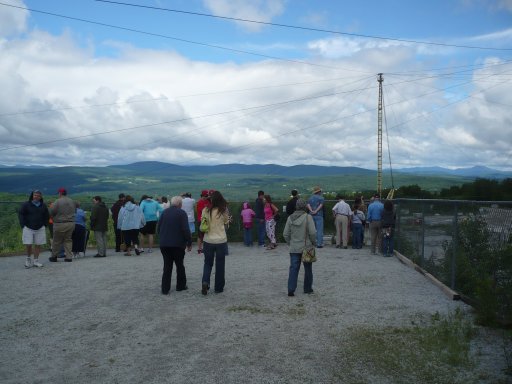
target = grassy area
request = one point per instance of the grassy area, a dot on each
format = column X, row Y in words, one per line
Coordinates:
column 438, row 352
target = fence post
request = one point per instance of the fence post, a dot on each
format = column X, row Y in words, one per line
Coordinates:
column 398, row 206
column 455, row 240
column 422, row 259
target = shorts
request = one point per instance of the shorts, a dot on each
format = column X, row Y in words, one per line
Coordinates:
column 34, row 236
column 149, row 228
column 192, row 226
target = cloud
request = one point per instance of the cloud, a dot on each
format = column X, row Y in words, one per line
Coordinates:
column 13, row 20
column 257, row 10
column 144, row 104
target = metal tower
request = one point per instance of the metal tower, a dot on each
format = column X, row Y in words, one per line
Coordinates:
column 379, row 137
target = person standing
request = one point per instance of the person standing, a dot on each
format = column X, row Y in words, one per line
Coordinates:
column 247, row 220
column 188, row 205
column 374, row 218
column 174, row 233
column 299, row 231
column 34, row 217
column 358, row 219
column 259, row 210
column 130, row 220
column 99, row 224
column 215, row 242
column 290, row 206
column 316, row 210
column 116, row 207
column 342, row 219
column 270, row 211
column 201, row 205
column 388, row 228
column 151, row 210
column 79, row 232
column 63, row 213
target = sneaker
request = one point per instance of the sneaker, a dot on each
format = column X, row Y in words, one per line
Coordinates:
column 28, row 263
column 137, row 251
column 150, row 250
column 37, row 264
column 68, row 260
column 53, row 259
column 141, row 250
column 291, row 294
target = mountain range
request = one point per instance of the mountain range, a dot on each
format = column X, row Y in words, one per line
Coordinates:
column 156, row 177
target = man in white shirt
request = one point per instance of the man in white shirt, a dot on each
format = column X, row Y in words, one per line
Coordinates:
column 342, row 216
column 188, row 205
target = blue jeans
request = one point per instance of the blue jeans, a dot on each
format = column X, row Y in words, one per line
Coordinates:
column 295, row 260
column 356, row 235
column 387, row 245
column 319, row 225
column 215, row 252
column 261, row 231
column 248, row 236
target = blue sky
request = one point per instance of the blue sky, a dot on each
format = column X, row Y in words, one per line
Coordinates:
column 113, row 96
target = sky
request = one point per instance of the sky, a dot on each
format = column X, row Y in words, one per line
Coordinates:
column 95, row 83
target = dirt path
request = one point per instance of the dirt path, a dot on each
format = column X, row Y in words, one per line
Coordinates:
column 105, row 320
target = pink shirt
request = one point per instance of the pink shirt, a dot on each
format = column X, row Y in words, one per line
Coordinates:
column 247, row 215
column 269, row 212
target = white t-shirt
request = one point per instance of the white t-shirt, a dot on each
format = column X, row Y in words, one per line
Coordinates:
column 188, row 206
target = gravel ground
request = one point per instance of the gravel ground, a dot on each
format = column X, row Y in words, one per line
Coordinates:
column 105, row 320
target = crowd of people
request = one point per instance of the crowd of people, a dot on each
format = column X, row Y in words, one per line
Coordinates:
column 175, row 222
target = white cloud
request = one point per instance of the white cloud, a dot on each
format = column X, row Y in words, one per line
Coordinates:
column 257, row 10
column 163, row 106
column 13, row 20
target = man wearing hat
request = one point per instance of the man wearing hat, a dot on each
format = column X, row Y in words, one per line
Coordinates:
column 315, row 207
column 63, row 213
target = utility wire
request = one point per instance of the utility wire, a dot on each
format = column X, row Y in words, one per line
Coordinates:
column 180, row 39
column 304, row 28
column 251, row 89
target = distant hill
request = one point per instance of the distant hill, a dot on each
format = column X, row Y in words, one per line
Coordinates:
column 237, row 181
column 243, row 169
column 476, row 172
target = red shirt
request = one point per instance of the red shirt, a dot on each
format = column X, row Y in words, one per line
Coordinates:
column 200, row 206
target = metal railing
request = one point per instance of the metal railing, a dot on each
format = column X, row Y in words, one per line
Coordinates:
column 427, row 231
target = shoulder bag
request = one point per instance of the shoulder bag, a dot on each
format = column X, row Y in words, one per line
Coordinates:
column 205, row 222
column 309, row 251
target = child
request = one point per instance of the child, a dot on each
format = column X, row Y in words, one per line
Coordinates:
column 388, row 228
column 247, row 217
column 357, row 227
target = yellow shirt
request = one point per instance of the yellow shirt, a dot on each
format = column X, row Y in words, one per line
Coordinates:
column 217, row 231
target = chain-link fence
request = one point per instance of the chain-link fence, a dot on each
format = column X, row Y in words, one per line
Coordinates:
column 432, row 232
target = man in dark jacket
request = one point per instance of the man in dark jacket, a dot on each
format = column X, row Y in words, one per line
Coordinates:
column 116, row 207
column 99, row 224
column 259, row 206
column 290, row 206
column 34, row 216
column 174, row 233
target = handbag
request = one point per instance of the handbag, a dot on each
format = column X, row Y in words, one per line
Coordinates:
column 309, row 251
column 205, row 223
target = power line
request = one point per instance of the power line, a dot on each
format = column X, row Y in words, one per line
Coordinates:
column 304, row 28
column 167, row 98
column 181, row 39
